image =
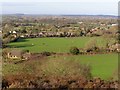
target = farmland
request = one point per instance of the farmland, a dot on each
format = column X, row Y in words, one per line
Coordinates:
column 60, row 45
column 60, row 51
column 103, row 65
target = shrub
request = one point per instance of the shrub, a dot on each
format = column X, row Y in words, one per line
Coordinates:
column 25, row 51
column 91, row 46
column 65, row 68
column 46, row 53
column 74, row 50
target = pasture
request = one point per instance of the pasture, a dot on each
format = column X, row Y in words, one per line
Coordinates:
column 104, row 66
column 59, row 45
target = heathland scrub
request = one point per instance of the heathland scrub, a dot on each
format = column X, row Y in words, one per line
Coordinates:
column 104, row 66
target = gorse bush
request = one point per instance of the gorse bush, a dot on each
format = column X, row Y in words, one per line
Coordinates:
column 46, row 53
column 61, row 82
column 74, row 50
column 65, row 68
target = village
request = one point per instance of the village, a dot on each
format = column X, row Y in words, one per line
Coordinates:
column 59, row 46
column 66, row 27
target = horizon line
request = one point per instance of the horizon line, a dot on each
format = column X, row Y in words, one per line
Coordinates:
column 60, row 14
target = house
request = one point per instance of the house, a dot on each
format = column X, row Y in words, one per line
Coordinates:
column 18, row 54
column 80, row 22
column 22, row 36
column 118, row 47
column 14, row 54
column 114, row 24
column 115, row 47
column 14, row 36
column 0, row 31
column 14, row 32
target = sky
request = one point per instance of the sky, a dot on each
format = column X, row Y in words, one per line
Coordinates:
column 59, row 7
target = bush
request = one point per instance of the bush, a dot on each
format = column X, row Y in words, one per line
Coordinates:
column 74, row 50
column 92, row 46
column 46, row 53
column 65, row 68
column 25, row 51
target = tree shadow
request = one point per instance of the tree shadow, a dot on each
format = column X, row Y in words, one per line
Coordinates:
column 21, row 40
column 19, row 46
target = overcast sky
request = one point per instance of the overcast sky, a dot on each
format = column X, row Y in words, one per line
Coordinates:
column 91, row 7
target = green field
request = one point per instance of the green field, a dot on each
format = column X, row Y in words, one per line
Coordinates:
column 102, row 65
column 55, row 44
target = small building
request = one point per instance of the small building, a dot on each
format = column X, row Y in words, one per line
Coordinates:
column 14, row 32
column 115, row 47
column 18, row 54
column 22, row 36
column 14, row 54
column 114, row 24
column 80, row 22
column 118, row 47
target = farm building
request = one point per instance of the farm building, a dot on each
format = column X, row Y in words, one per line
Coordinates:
column 18, row 54
column 14, row 54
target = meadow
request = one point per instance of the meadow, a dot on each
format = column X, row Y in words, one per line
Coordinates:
column 104, row 66
column 59, row 45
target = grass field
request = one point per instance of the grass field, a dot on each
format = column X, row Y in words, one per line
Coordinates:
column 55, row 44
column 104, row 65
